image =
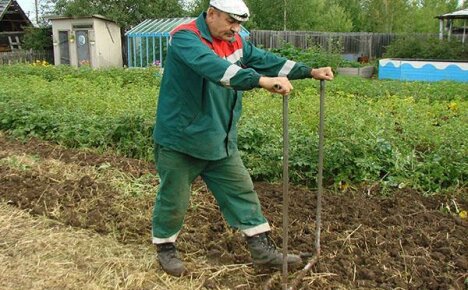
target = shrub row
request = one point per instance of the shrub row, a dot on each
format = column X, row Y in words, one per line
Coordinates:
column 392, row 133
column 427, row 48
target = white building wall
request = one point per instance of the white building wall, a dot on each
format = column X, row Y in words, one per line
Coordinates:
column 104, row 40
column 108, row 44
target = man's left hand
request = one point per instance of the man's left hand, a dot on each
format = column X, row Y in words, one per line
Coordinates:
column 323, row 73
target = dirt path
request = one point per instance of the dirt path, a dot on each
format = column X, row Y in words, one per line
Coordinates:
column 368, row 242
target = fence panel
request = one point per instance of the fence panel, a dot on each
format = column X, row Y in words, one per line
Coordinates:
column 26, row 56
column 355, row 44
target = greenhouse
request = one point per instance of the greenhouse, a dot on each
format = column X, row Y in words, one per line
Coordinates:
column 148, row 41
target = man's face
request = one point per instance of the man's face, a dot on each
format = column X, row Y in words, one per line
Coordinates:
column 221, row 25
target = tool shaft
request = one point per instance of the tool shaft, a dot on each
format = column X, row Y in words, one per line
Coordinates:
column 318, row 222
column 318, row 219
column 285, row 190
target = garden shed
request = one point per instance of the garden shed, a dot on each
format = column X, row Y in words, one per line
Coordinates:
column 449, row 17
column 148, row 41
column 13, row 21
column 93, row 41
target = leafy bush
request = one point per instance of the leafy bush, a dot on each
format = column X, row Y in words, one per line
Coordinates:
column 37, row 38
column 314, row 56
column 422, row 48
column 105, row 109
column 388, row 137
column 390, row 132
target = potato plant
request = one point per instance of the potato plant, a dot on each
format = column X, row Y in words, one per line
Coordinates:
column 386, row 132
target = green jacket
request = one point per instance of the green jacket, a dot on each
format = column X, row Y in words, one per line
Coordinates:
column 200, row 99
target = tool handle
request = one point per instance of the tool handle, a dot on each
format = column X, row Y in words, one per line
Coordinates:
column 285, row 190
column 320, row 168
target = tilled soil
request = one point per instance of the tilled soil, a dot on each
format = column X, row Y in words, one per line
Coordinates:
column 403, row 240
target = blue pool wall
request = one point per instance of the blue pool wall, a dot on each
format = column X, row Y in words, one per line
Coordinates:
column 422, row 70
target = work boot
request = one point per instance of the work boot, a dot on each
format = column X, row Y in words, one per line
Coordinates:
column 265, row 254
column 169, row 259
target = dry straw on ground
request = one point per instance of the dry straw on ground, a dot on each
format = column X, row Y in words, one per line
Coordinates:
column 38, row 253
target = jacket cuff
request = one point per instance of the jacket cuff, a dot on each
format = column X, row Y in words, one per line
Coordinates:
column 256, row 81
column 302, row 72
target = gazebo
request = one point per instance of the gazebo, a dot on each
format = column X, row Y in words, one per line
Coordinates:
column 461, row 14
column 148, row 41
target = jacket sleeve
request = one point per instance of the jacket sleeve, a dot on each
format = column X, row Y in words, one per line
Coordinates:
column 187, row 47
column 271, row 65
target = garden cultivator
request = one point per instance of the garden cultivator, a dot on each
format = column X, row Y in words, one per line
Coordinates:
column 315, row 258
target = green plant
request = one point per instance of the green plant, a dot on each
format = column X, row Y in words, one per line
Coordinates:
column 411, row 46
column 314, row 56
column 37, row 38
column 396, row 134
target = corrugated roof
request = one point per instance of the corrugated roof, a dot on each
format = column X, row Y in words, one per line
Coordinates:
column 162, row 27
column 157, row 27
column 4, row 4
column 460, row 14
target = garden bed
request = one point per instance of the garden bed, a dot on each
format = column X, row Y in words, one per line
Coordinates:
column 403, row 240
column 365, row 71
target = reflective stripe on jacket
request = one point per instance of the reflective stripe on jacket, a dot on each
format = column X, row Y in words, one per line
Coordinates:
column 200, row 98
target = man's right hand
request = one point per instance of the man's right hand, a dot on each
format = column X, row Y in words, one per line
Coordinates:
column 277, row 85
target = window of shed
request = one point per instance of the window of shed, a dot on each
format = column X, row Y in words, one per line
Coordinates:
column 82, row 26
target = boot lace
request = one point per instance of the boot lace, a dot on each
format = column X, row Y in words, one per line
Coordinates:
column 169, row 250
column 270, row 246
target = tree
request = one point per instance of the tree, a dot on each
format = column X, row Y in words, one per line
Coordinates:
column 323, row 15
column 305, row 14
column 385, row 15
column 37, row 38
column 266, row 14
column 335, row 19
column 300, row 14
column 198, row 6
column 124, row 12
column 423, row 13
column 354, row 9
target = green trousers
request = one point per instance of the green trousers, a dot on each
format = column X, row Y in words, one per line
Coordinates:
column 227, row 179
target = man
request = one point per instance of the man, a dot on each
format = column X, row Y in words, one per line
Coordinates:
column 207, row 67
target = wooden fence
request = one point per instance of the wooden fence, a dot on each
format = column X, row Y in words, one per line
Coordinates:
column 26, row 56
column 354, row 44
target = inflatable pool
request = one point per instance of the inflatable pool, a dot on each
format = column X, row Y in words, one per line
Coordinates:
column 423, row 70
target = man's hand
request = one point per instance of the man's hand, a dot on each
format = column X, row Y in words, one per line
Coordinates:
column 323, row 73
column 278, row 85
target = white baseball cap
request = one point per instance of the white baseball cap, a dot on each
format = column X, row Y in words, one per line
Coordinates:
column 235, row 8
